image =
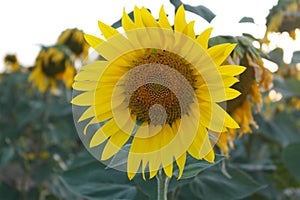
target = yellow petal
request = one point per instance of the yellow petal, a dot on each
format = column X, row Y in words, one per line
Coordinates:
column 210, row 157
column 92, row 121
column 98, row 138
column 85, row 85
column 127, row 23
column 198, row 143
column 154, row 169
column 87, row 76
column 84, row 99
column 138, row 17
column 180, row 22
column 163, row 19
column 168, row 170
column 104, row 116
column 148, row 19
column 92, row 40
column 180, row 163
column 107, row 30
column 231, row 70
column 203, row 38
column 228, row 81
column 133, row 164
column 88, row 113
column 220, row 52
column 114, row 144
column 189, row 29
column 219, row 94
column 96, row 66
column 110, row 128
column 215, row 118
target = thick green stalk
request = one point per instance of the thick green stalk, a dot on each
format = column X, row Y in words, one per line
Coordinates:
column 162, row 185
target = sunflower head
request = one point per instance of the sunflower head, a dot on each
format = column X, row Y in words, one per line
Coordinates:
column 284, row 17
column 52, row 64
column 74, row 40
column 154, row 99
column 11, row 63
column 252, row 82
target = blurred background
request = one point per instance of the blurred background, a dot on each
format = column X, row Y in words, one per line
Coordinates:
column 41, row 155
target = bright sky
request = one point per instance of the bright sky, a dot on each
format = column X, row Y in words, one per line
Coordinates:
column 27, row 24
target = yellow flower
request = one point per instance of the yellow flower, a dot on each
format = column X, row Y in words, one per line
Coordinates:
column 283, row 18
column 74, row 40
column 157, row 90
column 254, row 80
column 11, row 63
column 52, row 64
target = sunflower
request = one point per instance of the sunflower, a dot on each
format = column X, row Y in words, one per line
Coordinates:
column 253, row 81
column 52, row 64
column 157, row 91
column 11, row 63
column 74, row 40
column 284, row 17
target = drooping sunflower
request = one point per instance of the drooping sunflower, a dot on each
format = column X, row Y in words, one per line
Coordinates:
column 74, row 40
column 255, row 80
column 157, row 90
column 11, row 63
column 52, row 64
column 284, row 17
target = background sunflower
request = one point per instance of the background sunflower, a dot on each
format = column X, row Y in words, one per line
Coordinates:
column 52, row 64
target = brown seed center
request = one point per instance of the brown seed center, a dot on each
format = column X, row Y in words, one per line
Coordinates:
column 159, row 78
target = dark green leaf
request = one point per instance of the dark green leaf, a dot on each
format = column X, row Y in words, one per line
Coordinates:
column 89, row 178
column 291, row 159
column 247, row 20
column 202, row 11
column 213, row 184
column 281, row 128
column 276, row 56
column 148, row 187
column 8, row 193
column 288, row 88
column 296, row 57
column 194, row 167
column 6, row 155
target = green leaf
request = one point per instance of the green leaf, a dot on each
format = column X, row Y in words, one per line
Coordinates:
column 247, row 20
column 213, row 184
column 288, row 87
column 89, row 178
column 296, row 57
column 194, row 167
column 8, row 193
column 290, row 156
column 276, row 56
column 281, row 128
column 202, row 11
column 148, row 187
column 6, row 155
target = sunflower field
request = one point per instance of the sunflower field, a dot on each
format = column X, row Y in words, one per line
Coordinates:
column 161, row 112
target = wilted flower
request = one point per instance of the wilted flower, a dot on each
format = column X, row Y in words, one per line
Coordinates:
column 74, row 40
column 52, row 64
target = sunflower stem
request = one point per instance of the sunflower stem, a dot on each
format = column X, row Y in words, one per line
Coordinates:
column 162, row 185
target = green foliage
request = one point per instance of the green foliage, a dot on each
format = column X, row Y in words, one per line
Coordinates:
column 213, row 184
column 41, row 156
column 200, row 10
column 37, row 137
column 247, row 20
column 289, row 154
